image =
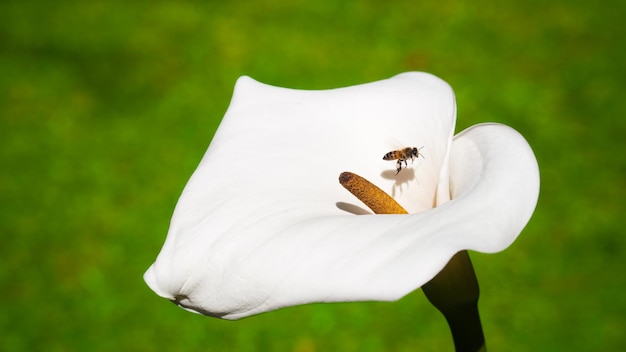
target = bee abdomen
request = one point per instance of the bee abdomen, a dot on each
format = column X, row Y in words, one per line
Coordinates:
column 390, row 156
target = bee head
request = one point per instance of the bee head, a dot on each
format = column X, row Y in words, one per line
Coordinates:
column 416, row 152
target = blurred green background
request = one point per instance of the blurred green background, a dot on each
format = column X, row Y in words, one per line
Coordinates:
column 106, row 109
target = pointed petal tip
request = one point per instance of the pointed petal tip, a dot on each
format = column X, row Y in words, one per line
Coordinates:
column 150, row 278
column 242, row 80
column 245, row 83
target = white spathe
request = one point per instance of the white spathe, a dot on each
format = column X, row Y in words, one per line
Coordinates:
column 263, row 222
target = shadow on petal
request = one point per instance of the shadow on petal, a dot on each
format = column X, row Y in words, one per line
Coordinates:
column 352, row 209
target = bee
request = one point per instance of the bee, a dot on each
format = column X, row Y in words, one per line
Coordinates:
column 403, row 155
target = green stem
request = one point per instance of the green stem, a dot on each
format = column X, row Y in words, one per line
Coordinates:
column 454, row 291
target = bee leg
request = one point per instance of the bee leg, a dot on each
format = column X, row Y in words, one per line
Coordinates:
column 399, row 164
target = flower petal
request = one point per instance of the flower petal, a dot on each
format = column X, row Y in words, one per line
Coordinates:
column 261, row 225
column 493, row 167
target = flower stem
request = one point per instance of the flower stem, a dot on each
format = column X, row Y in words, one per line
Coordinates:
column 454, row 291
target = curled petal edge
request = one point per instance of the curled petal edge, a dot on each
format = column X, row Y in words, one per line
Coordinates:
column 493, row 168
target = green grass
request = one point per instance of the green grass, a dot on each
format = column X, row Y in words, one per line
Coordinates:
column 106, row 109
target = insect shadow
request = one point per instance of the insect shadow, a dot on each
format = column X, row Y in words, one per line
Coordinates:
column 401, row 179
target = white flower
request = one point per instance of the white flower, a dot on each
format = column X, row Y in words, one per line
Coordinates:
column 263, row 223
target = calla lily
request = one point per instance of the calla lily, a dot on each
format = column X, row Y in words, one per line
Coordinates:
column 264, row 224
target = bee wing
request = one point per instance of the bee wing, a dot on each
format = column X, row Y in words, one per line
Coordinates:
column 394, row 144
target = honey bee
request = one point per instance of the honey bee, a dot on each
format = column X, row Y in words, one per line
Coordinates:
column 403, row 155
